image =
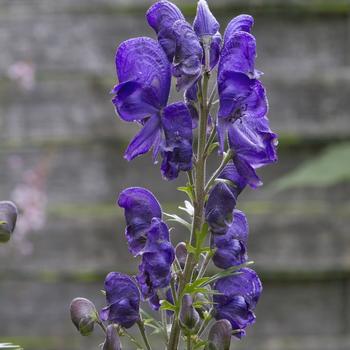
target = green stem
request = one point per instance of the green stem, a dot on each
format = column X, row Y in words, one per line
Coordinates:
column 199, row 185
column 189, row 342
column 205, row 264
column 144, row 335
column 225, row 160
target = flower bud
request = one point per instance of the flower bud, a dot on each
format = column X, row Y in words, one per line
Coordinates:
column 84, row 315
column 189, row 317
column 112, row 341
column 181, row 253
column 8, row 218
column 219, row 337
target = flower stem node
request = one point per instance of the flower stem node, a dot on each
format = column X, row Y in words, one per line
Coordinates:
column 84, row 315
column 8, row 218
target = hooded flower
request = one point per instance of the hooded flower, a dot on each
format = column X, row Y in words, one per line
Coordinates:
column 123, row 300
column 142, row 94
column 237, row 300
column 140, row 207
column 222, row 200
column 178, row 40
column 207, row 29
column 231, row 247
column 157, row 258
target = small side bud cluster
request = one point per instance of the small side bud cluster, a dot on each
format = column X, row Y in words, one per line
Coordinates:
column 8, row 218
column 84, row 315
column 189, row 317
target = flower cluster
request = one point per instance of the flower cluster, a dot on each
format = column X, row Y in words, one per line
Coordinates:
column 203, row 309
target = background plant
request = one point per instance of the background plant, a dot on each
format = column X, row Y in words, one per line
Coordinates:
column 197, row 309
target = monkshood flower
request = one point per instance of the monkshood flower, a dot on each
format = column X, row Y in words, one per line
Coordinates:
column 178, row 40
column 237, row 299
column 142, row 95
column 123, row 300
column 219, row 337
column 222, row 199
column 207, row 29
column 157, row 258
column 231, row 247
column 254, row 145
column 83, row 315
column 140, row 207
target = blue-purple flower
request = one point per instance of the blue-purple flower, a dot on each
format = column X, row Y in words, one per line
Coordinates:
column 178, row 40
column 144, row 75
column 222, row 199
column 157, row 258
column 123, row 300
column 237, row 299
column 231, row 247
column 140, row 207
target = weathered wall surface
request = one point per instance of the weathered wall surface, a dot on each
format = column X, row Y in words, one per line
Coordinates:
column 299, row 238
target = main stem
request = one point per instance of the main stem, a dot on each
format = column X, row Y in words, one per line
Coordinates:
column 199, row 201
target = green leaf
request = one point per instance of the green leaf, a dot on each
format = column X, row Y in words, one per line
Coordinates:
column 188, row 190
column 212, row 147
column 165, row 305
column 188, row 208
column 329, row 168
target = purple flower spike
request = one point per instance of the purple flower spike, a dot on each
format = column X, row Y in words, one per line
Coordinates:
column 157, row 258
column 161, row 16
column 177, row 153
column 232, row 246
column 241, row 23
column 123, row 300
column 205, row 24
column 140, row 207
column 237, row 300
column 188, row 55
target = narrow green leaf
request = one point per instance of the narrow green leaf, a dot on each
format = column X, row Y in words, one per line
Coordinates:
column 165, row 305
column 178, row 219
column 188, row 190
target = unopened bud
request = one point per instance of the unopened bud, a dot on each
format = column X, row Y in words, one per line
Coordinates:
column 8, row 218
column 84, row 315
column 219, row 337
column 181, row 253
column 189, row 317
column 112, row 341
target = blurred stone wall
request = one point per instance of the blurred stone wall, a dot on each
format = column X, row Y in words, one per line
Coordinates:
column 56, row 70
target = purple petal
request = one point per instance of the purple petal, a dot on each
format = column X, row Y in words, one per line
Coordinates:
column 215, row 49
column 161, row 17
column 134, row 101
column 123, row 299
column 188, row 55
column 238, row 55
column 238, row 297
column 140, row 207
column 230, row 173
column 247, row 171
column 145, row 139
column 177, row 153
column 205, row 24
column 241, row 23
column 231, row 247
column 241, row 97
column 143, row 60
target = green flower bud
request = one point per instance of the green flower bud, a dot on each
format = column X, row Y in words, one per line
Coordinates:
column 219, row 337
column 112, row 341
column 84, row 315
column 8, row 218
column 189, row 317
